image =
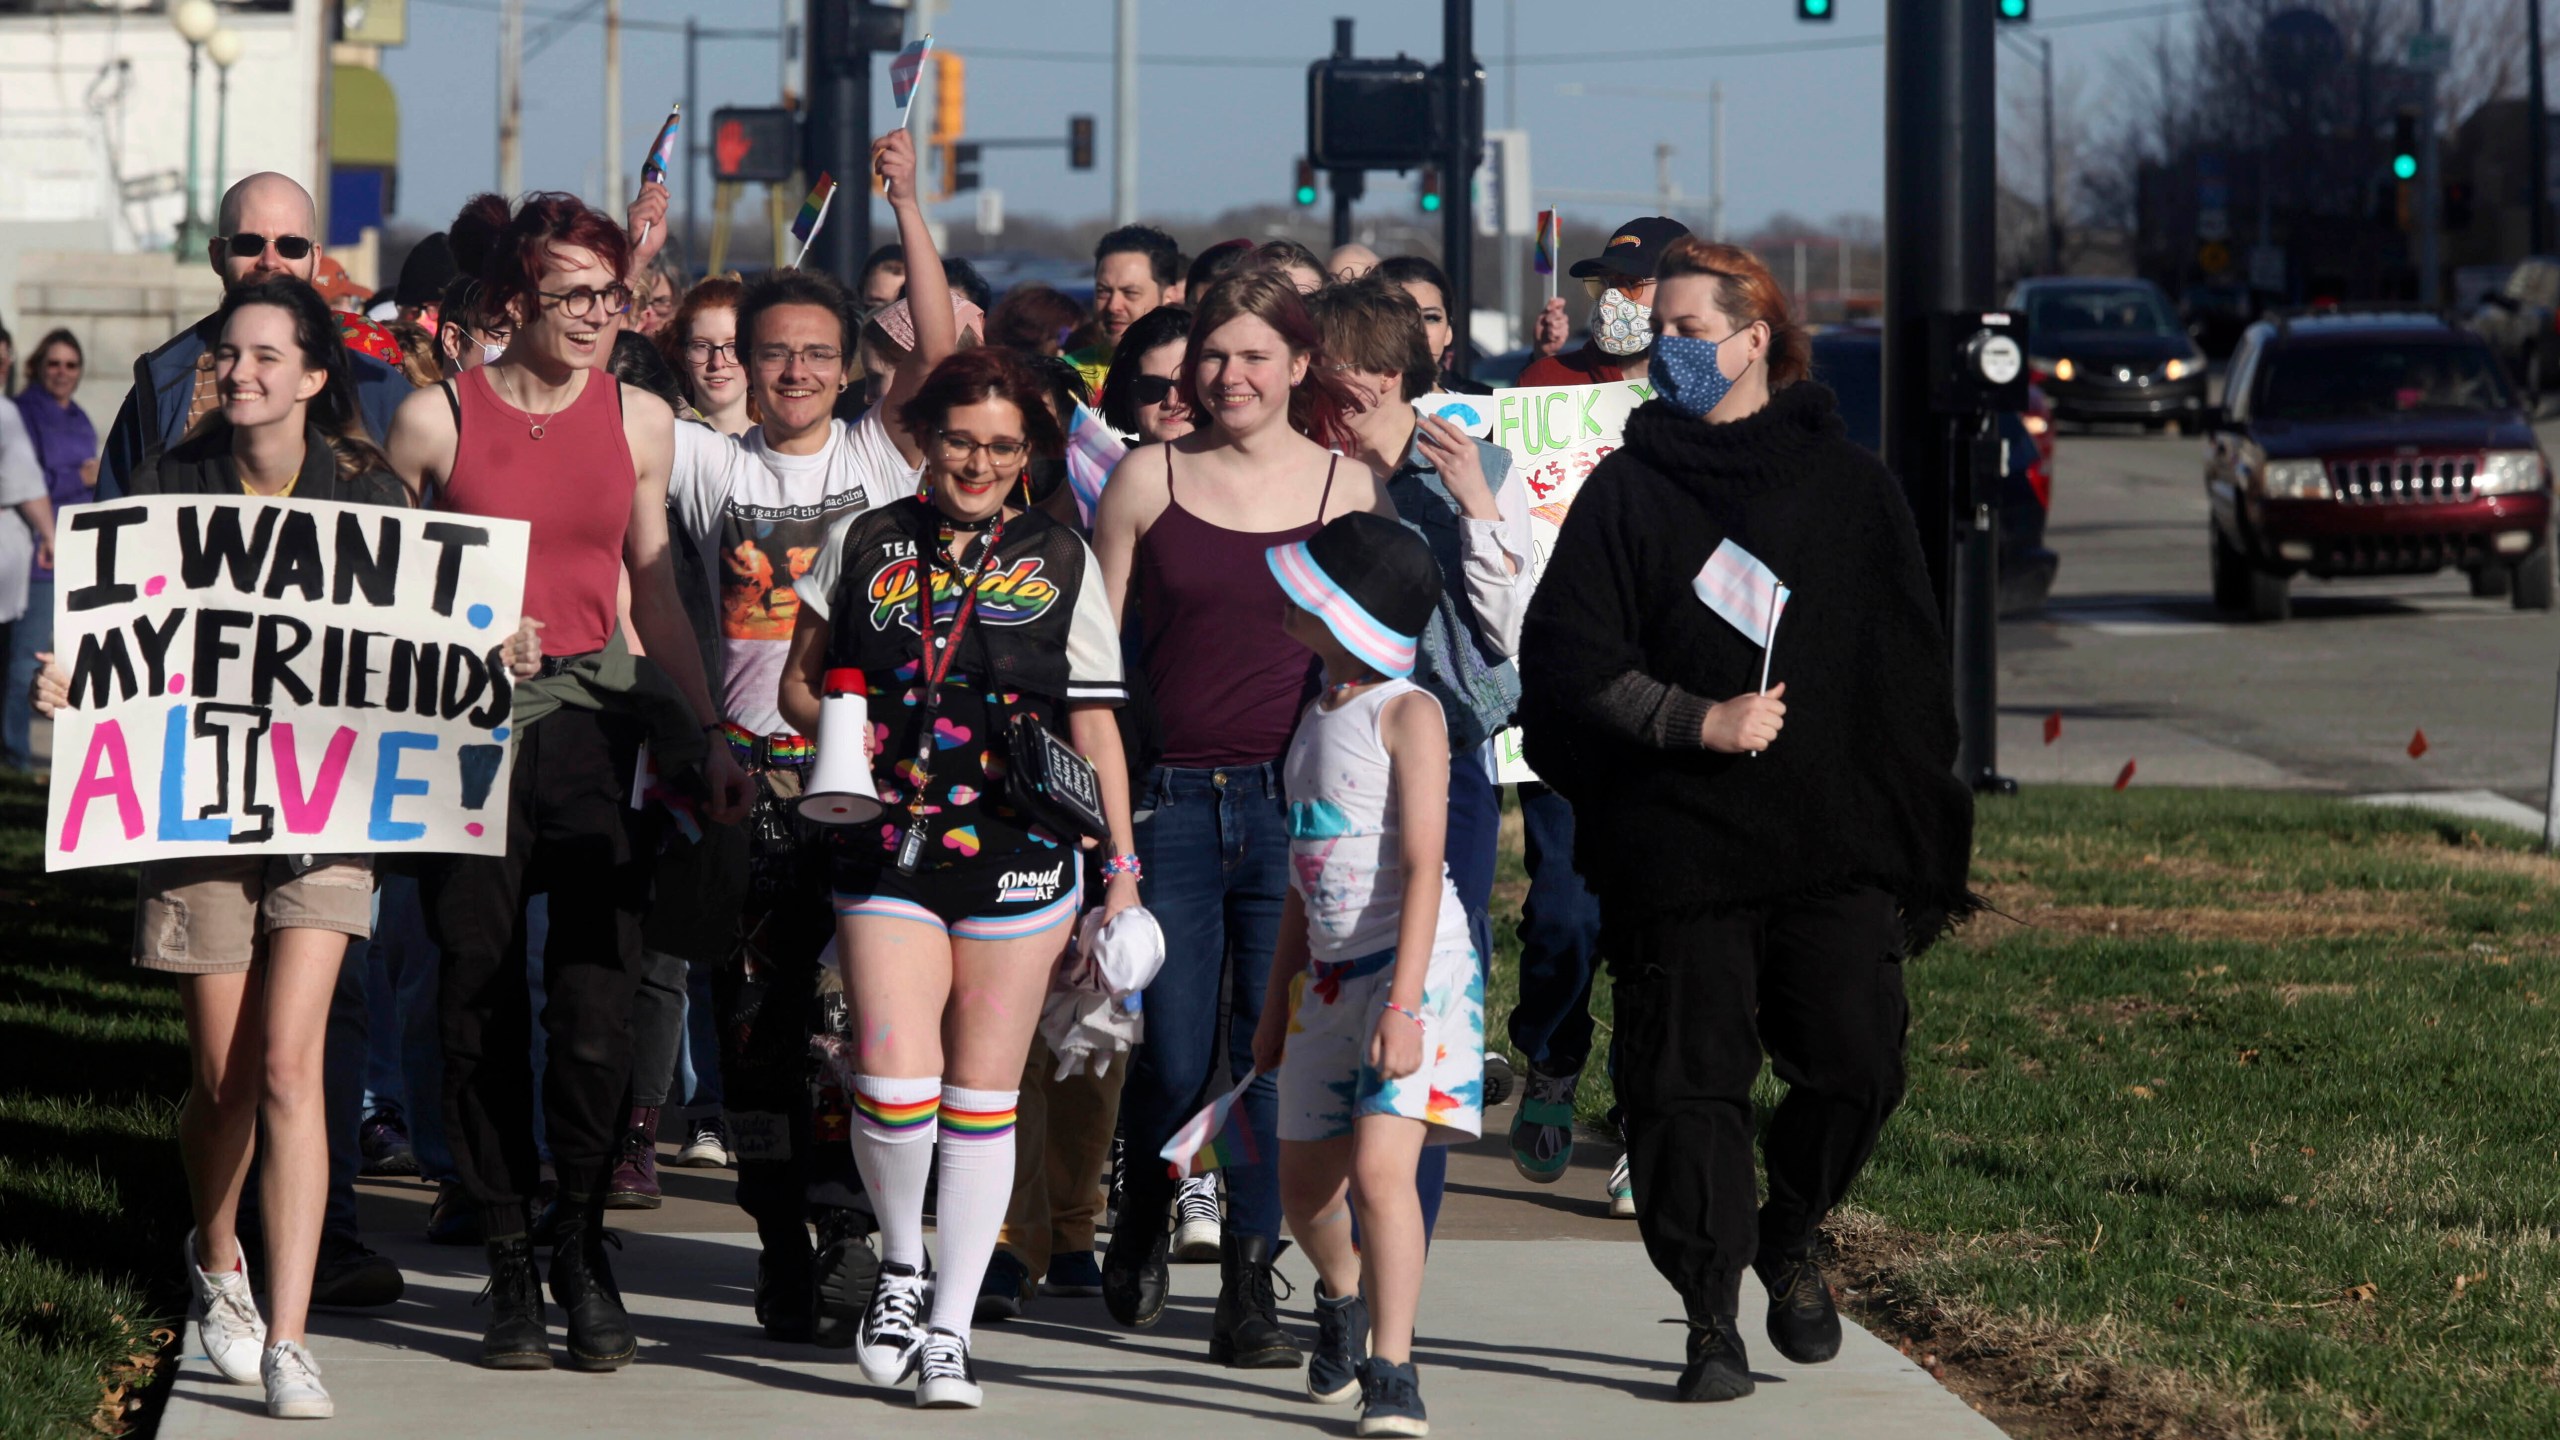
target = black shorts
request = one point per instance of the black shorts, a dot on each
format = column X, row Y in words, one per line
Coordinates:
column 1001, row 897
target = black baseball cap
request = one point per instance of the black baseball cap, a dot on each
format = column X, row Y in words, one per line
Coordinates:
column 1633, row 249
column 1370, row 580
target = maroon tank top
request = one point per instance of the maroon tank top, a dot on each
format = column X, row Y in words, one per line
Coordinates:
column 1228, row 681
column 573, row 486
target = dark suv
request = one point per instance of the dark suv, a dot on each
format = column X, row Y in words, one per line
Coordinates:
column 2383, row 444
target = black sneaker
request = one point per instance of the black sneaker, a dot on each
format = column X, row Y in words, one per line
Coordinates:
column 1391, row 1399
column 1000, row 1293
column 382, row 1143
column 1718, row 1367
column 848, row 1271
column 351, row 1277
column 1342, row 1343
column 1803, row 1323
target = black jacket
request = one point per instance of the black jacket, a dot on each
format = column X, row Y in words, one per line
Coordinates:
column 1859, row 788
column 201, row 464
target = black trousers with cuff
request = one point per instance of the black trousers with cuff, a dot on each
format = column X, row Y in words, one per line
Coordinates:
column 572, row 834
column 1818, row 982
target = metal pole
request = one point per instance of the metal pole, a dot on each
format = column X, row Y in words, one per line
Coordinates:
column 2430, row 185
column 1124, row 116
column 1465, row 99
column 831, row 140
column 511, row 100
column 613, row 107
column 694, row 120
column 221, row 125
column 191, row 225
column 1715, row 162
column 1347, row 185
column 2052, row 171
column 2537, row 131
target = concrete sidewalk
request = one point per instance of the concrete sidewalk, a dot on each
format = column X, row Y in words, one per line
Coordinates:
column 1540, row 1316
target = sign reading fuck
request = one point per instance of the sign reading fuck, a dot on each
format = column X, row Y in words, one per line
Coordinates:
column 256, row 676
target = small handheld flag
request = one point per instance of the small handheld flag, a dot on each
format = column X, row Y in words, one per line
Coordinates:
column 1092, row 449
column 662, row 154
column 1202, row 1144
column 813, row 213
column 903, row 74
column 1550, row 236
column 1743, row 592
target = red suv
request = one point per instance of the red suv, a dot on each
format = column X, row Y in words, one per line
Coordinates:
column 2372, row 444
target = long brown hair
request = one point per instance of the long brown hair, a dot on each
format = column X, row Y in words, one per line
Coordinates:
column 1319, row 407
column 333, row 412
column 1747, row 294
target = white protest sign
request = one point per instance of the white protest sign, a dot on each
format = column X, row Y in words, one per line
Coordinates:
column 274, row 676
column 1556, row 434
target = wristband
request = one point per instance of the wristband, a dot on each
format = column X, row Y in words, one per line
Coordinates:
column 1400, row 1010
column 1123, row 865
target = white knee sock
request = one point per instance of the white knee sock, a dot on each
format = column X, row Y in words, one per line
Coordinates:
column 893, row 1125
column 977, row 1183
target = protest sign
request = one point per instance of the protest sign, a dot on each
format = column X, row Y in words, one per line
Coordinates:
column 1556, row 434
column 275, row 676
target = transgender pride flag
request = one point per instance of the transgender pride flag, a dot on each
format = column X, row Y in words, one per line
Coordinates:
column 1092, row 449
column 1747, row 594
column 1203, row 1143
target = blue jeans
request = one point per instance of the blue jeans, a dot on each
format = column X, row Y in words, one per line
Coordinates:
column 1559, row 941
column 1215, row 846
column 404, row 1066
column 1475, row 837
column 698, row 1058
column 32, row 633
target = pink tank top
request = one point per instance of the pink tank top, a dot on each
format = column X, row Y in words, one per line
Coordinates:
column 573, row 486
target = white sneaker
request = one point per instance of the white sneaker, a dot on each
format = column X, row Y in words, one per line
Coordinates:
column 1622, row 1191
column 1195, row 1221
column 227, row 1319
column 950, row 1377
column 293, row 1384
column 886, row 1348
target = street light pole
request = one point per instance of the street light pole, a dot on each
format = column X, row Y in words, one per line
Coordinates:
column 613, row 107
column 224, row 47
column 2052, row 170
column 195, row 21
column 1465, row 99
column 1124, row 115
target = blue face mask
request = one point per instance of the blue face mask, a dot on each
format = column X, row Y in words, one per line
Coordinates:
column 1686, row 374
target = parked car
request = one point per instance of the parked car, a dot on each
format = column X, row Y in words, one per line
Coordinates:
column 2378, row 444
column 2521, row 322
column 1850, row 359
column 2110, row 350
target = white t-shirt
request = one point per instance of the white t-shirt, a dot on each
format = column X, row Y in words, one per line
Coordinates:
column 758, row 518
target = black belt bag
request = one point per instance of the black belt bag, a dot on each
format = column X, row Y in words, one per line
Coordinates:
column 1046, row 779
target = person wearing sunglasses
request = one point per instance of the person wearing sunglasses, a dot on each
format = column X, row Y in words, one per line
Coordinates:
column 1142, row 395
column 266, row 227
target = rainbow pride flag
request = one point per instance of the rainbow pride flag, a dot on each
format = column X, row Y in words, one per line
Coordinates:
column 813, row 208
column 662, row 151
column 1092, row 449
column 1204, row 1142
column 1550, row 230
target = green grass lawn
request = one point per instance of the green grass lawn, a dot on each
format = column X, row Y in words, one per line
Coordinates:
column 2240, row 1122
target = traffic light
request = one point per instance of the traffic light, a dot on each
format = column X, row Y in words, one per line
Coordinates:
column 760, row 144
column 1813, row 9
column 1079, row 142
column 950, row 99
column 2014, row 12
column 1306, row 181
column 960, row 168
column 1373, row 114
column 1430, row 189
column 2404, row 144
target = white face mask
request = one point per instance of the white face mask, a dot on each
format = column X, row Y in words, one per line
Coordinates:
column 1620, row 326
column 489, row 353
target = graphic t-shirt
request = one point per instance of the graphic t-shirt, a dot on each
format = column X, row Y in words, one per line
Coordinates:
column 756, row 518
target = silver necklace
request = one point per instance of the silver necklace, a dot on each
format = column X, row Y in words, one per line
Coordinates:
column 536, row 425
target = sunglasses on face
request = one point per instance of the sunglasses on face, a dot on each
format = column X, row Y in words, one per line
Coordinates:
column 1151, row 389
column 248, row 246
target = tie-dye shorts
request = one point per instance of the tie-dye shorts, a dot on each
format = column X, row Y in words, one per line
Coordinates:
column 1325, row 1078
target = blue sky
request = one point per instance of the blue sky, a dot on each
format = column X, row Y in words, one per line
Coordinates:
column 1804, row 128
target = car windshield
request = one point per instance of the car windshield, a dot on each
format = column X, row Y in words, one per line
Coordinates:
column 2377, row 379
column 2113, row 310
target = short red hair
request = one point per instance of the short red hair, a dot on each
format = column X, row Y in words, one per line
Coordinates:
column 508, row 251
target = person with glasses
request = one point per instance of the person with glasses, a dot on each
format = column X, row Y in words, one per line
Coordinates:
column 547, row 436
column 701, row 342
column 66, row 445
column 267, row 224
column 656, row 289
column 754, row 511
column 1142, row 396
column 953, row 909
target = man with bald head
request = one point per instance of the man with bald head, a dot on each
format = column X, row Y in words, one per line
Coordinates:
column 268, row 226
column 1350, row 262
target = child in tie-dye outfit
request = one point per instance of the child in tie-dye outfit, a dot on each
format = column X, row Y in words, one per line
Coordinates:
column 1375, row 1018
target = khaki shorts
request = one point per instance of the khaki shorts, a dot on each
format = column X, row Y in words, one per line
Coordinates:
column 207, row 915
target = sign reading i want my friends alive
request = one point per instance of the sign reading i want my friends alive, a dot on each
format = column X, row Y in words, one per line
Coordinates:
column 255, row 676
column 1555, row 434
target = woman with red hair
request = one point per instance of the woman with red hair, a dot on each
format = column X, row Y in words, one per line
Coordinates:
column 547, row 436
column 1181, row 533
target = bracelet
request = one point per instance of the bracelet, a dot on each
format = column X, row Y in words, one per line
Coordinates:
column 1400, row 1010
column 1123, row 865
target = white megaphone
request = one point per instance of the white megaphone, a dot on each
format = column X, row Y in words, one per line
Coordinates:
column 839, row 790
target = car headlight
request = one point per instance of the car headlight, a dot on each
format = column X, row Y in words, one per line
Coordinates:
column 2062, row 369
column 2174, row 370
column 2294, row 480
column 2508, row 472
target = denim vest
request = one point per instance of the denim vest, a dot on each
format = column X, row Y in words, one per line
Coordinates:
column 1459, row 665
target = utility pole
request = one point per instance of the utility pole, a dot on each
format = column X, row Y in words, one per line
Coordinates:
column 511, row 101
column 613, row 107
column 833, row 137
column 1715, row 163
column 695, row 117
column 2430, row 180
column 1347, row 185
column 1464, row 96
column 2052, row 170
column 1124, row 116
column 1666, row 191
column 2537, row 131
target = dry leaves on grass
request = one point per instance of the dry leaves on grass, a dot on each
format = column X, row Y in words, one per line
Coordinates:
column 122, row 1387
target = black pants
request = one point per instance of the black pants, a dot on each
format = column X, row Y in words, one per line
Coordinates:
column 1819, row 982
column 571, row 833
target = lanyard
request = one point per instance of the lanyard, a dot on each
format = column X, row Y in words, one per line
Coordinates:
column 946, row 650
